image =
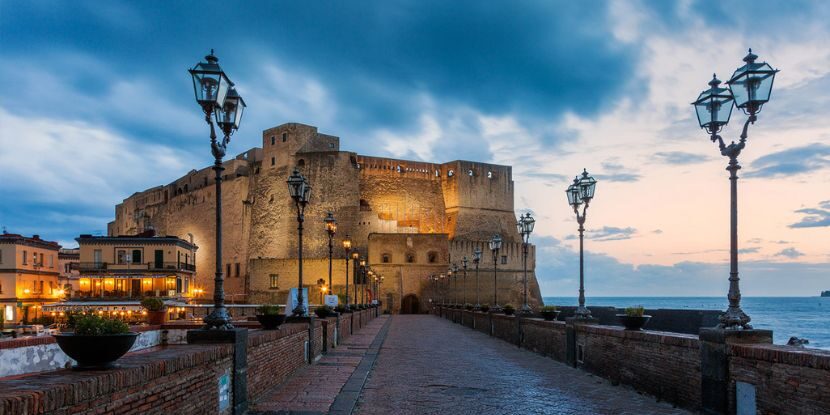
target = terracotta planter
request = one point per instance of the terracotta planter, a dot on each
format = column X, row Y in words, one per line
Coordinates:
column 633, row 322
column 95, row 352
column 270, row 321
column 157, row 317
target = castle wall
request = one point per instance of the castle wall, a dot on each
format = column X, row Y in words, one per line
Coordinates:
column 443, row 208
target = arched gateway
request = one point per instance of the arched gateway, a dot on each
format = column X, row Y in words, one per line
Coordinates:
column 410, row 304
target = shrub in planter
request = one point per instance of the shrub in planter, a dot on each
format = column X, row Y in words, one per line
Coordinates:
column 324, row 311
column 549, row 312
column 509, row 309
column 634, row 318
column 468, row 306
column 485, row 308
column 268, row 315
column 156, row 310
column 340, row 308
column 97, row 342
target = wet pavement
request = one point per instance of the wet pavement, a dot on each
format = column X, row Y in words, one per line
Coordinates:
column 428, row 365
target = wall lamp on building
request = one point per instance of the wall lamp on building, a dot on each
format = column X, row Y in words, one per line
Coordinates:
column 749, row 89
column 347, row 247
column 525, row 225
column 580, row 193
column 331, row 229
column 495, row 247
column 476, row 261
column 300, row 192
column 216, row 94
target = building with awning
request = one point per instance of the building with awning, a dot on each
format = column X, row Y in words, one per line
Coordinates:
column 133, row 267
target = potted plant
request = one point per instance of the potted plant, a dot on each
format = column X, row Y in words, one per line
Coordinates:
column 468, row 306
column 324, row 311
column 509, row 309
column 340, row 308
column 268, row 315
column 634, row 318
column 484, row 308
column 156, row 310
column 97, row 342
column 549, row 312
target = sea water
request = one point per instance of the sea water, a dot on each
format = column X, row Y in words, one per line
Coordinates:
column 802, row 317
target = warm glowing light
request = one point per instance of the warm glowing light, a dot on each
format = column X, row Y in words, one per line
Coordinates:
column 53, row 314
column 61, row 314
column 143, row 312
column 100, row 313
column 59, row 293
column 26, row 291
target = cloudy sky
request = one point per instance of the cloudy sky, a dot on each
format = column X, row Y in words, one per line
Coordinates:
column 97, row 104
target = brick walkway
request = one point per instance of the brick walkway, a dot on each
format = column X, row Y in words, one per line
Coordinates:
column 428, row 365
column 314, row 389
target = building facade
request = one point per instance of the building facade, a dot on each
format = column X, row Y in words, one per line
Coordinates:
column 132, row 267
column 423, row 216
column 28, row 276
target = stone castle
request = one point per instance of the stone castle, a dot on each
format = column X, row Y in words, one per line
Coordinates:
column 410, row 219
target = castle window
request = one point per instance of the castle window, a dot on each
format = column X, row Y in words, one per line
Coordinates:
column 410, row 258
column 284, row 137
column 273, row 140
column 504, row 259
column 301, row 163
column 273, row 160
column 228, row 270
column 450, row 173
column 398, row 168
column 432, row 257
column 331, row 145
column 275, row 281
column 136, row 256
column 185, row 188
column 437, row 173
column 385, row 258
column 237, row 270
column 470, row 172
column 489, row 175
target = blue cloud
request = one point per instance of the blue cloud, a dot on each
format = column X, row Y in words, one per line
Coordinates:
column 607, row 233
column 814, row 217
column 680, row 157
column 792, row 161
column 790, row 253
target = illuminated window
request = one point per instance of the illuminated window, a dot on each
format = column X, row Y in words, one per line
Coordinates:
column 275, row 281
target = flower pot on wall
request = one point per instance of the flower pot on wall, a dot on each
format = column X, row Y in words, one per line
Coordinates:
column 270, row 321
column 633, row 322
column 95, row 352
column 550, row 315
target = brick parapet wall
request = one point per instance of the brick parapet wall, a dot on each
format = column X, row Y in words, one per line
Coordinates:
column 665, row 365
column 786, row 380
column 668, row 365
column 161, row 381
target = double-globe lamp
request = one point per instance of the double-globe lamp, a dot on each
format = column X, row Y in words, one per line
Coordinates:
column 749, row 89
column 580, row 193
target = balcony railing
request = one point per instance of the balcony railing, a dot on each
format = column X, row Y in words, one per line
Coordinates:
column 128, row 266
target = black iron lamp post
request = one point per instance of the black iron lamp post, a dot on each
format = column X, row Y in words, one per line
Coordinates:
column 331, row 229
column 495, row 246
column 525, row 225
column 362, row 280
column 464, row 263
column 443, row 290
column 355, row 264
column 453, row 272
column 579, row 194
column 300, row 191
column 749, row 89
column 476, row 261
column 347, row 246
column 369, row 281
column 218, row 99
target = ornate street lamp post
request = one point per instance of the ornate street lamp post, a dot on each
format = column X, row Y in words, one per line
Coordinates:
column 331, row 229
column 453, row 272
column 369, row 281
column 218, row 99
column 443, row 290
column 525, row 225
column 464, row 284
column 476, row 261
column 300, row 191
column 749, row 89
column 579, row 193
column 495, row 246
column 347, row 246
column 361, row 279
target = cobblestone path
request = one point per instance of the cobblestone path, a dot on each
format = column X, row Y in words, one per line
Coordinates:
column 428, row 365
column 315, row 388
